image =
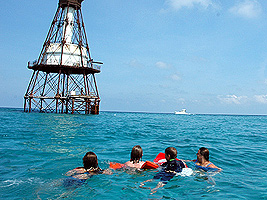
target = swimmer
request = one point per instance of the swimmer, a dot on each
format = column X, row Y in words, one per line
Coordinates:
column 170, row 168
column 90, row 167
column 136, row 158
column 202, row 162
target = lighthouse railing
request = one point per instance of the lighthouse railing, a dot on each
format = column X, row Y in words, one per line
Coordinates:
column 97, row 67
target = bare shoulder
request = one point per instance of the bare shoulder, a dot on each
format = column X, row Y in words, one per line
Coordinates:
column 75, row 171
column 134, row 165
column 128, row 163
column 142, row 162
column 214, row 166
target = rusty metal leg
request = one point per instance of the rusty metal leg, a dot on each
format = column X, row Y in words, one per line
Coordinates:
column 30, row 102
column 72, row 109
column 25, row 103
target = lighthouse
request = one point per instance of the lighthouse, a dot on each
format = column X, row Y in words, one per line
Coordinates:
column 63, row 78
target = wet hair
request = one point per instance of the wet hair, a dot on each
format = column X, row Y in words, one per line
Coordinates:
column 204, row 152
column 90, row 161
column 172, row 152
column 136, row 154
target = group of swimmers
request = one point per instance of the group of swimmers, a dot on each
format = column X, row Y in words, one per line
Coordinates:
column 168, row 169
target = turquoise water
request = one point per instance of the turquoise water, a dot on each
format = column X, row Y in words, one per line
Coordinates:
column 38, row 149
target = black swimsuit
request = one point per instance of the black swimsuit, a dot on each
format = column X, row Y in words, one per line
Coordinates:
column 171, row 168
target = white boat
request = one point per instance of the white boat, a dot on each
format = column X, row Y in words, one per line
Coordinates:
column 182, row 112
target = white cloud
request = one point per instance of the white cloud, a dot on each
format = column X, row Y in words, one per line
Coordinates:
column 247, row 9
column 162, row 65
column 180, row 101
column 135, row 63
column 232, row 99
column 176, row 77
column 261, row 99
column 172, row 73
column 178, row 4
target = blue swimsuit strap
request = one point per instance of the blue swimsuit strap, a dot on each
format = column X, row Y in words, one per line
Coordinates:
column 202, row 166
column 208, row 164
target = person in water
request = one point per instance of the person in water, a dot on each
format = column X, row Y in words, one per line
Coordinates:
column 90, row 167
column 136, row 158
column 202, row 162
column 169, row 168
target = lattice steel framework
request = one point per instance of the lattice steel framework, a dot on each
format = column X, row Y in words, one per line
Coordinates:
column 63, row 78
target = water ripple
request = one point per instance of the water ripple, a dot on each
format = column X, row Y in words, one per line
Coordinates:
column 38, row 149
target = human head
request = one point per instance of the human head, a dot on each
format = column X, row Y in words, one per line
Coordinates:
column 90, row 160
column 136, row 154
column 204, row 152
column 171, row 152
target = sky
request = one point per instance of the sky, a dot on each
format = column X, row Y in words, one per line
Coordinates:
column 207, row 56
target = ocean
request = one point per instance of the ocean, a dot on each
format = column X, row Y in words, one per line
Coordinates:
column 37, row 149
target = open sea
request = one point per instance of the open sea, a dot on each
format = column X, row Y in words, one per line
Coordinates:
column 37, row 150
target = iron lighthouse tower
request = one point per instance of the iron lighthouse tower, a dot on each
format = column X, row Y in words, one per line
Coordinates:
column 63, row 78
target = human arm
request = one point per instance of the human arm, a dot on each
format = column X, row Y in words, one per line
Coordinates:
column 188, row 160
column 107, row 171
column 78, row 170
column 215, row 167
column 128, row 163
column 159, row 185
column 134, row 165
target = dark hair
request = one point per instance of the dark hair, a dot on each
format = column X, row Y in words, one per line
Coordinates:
column 172, row 152
column 136, row 154
column 90, row 160
column 205, row 152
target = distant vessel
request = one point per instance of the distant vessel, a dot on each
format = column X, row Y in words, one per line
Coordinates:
column 182, row 112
